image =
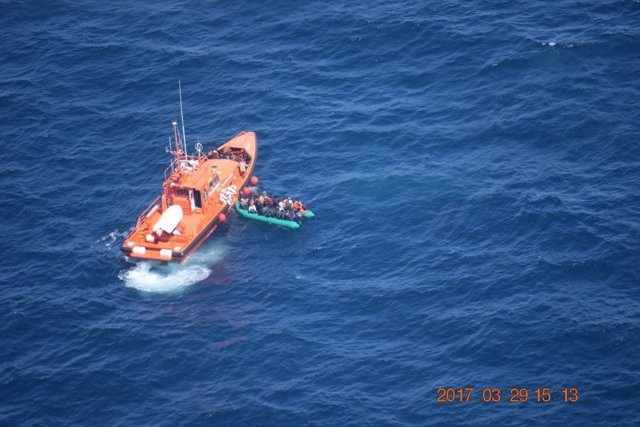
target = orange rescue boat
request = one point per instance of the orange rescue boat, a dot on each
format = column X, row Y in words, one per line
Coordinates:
column 197, row 194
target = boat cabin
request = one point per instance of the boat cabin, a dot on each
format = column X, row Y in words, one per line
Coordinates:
column 191, row 191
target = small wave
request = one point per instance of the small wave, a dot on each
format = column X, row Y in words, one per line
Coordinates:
column 156, row 278
column 112, row 237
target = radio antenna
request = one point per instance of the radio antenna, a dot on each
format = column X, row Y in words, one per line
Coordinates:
column 184, row 137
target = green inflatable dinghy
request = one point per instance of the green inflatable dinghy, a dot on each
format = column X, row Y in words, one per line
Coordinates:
column 272, row 220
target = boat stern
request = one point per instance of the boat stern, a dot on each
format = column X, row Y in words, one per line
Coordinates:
column 138, row 251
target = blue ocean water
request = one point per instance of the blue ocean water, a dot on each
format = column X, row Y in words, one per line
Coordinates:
column 474, row 168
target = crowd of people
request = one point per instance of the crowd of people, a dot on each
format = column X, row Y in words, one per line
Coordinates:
column 273, row 206
column 236, row 154
column 261, row 203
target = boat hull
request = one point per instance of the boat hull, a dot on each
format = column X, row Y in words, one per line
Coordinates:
column 202, row 218
column 271, row 220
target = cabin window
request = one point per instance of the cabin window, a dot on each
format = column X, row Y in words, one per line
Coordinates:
column 197, row 200
column 214, row 182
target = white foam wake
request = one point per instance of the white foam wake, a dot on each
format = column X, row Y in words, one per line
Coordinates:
column 153, row 277
column 112, row 237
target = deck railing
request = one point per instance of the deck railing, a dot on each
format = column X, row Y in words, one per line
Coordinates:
column 153, row 206
column 192, row 162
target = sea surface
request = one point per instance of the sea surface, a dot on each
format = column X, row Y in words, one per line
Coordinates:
column 474, row 167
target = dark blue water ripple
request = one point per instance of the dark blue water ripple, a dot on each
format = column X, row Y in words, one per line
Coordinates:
column 474, row 168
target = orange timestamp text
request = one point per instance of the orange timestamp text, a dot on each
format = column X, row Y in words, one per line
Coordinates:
column 507, row 394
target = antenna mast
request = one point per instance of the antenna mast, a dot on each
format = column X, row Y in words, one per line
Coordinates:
column 177, row 138
column 184, row 137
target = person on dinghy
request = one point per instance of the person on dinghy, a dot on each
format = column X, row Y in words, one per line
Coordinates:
column 299, row 207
